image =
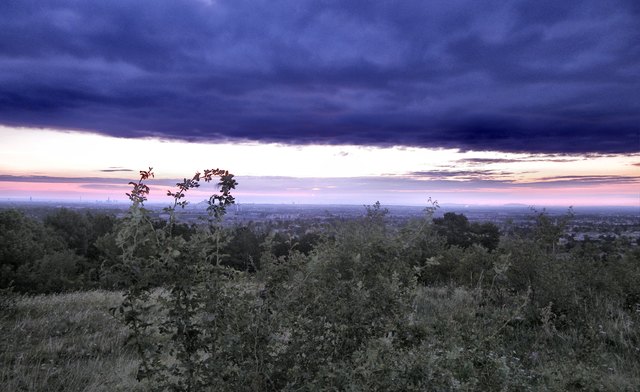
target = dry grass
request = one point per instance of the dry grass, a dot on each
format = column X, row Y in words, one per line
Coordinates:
column 65, row 342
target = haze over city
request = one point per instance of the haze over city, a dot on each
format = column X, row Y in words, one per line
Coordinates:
column 324, row 102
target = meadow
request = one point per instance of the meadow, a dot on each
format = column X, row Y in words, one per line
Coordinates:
column 65, row 342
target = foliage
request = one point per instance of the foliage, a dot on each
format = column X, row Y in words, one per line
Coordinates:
column 73, row 227
column 352, row 313
column 360, row 304
column 23, row 241
column 177, row 362
column 57, row 272
column 459, row 232
column 62, row 247
column 243, row 249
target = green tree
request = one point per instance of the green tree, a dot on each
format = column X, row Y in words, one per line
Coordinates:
column 458, row 231
column 486, row 234
column 23, row 241
column 548, row 230
column 59, row 271
column 73, row 227
column 243, row 250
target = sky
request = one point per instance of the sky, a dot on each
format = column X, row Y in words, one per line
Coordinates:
column 349, row 102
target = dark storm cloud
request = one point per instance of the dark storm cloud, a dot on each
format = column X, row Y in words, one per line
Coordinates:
column 525, row 76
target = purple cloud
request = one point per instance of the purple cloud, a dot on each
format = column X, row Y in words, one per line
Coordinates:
column 517, row 76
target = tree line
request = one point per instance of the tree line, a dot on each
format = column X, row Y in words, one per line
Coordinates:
column 76, row 250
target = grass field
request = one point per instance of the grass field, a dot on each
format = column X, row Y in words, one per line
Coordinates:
column 66, row 342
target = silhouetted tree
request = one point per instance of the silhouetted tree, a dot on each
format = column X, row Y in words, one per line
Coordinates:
column 459, row 232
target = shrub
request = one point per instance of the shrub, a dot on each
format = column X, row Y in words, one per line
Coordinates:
column 370, row 307
column 57, row 272
column 23, row 241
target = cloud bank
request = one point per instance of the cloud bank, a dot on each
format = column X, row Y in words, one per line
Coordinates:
column 515, row 76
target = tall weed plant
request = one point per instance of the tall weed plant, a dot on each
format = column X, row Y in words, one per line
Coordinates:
column 166, row 320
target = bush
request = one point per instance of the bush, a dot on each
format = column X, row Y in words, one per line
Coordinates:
column 370, row 307
column 57, row 272
column 23, row 241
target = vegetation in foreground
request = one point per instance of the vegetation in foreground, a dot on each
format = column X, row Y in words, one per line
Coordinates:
column 368, row 307
column 65, row 342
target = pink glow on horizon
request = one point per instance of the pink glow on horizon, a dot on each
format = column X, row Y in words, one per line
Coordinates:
column 60, row 190
column 597, row 194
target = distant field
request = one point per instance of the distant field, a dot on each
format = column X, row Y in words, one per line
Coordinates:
column 66, row 342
